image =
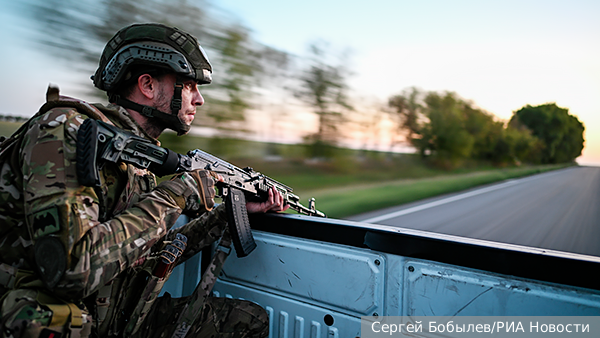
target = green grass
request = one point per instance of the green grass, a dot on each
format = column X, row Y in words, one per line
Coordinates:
column 356, row 199
column 353, row 181
column 7, row 128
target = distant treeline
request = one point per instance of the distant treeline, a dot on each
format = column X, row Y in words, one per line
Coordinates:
column 449, row 130
column 12, row 118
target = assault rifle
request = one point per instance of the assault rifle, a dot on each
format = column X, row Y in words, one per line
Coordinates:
column 99, row 142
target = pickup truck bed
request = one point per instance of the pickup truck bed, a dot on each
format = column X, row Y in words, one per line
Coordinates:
column 317, row 277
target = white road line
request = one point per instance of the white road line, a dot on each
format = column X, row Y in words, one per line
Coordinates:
column 447, row 200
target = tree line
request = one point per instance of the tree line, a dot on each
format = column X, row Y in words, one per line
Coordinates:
column 244, row 68
column 444, row 128
column 448, row 130
column 12, row 118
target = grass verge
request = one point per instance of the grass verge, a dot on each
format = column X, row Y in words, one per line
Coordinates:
column 7, row 128
column 356, row 199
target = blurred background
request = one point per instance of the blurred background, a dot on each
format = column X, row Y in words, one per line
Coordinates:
column 330, row 94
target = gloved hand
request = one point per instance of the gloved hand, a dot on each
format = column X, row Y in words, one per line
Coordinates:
column 202, row 183
column 193, row 191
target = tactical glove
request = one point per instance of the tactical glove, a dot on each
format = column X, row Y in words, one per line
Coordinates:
column 193, row 191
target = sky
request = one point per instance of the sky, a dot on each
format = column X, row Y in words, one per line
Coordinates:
column 501, row 55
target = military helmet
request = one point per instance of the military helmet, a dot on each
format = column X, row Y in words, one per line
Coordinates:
column 151, row 45
column 146, row 48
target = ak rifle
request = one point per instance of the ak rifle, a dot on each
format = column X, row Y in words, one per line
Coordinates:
column 99, row 142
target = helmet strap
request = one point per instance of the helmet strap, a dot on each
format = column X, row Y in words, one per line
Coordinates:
column 176, row 100
column 171, row 121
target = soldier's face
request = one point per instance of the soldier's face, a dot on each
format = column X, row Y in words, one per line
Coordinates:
column 190, row 98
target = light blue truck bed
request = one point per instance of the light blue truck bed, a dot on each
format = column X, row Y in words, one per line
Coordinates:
column 318, row 277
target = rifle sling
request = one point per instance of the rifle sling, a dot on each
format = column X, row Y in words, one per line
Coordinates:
column 191, row 312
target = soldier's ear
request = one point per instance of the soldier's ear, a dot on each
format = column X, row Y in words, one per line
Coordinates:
column 147, row 85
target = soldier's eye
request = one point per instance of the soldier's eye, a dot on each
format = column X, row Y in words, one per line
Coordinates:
column 190, row 85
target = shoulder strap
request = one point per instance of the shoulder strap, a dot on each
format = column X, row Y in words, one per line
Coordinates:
column 189, row 314
column 53, row 100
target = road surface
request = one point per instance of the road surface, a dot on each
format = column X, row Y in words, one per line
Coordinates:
column 558, row 210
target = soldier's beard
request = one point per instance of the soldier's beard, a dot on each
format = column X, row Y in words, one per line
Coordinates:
column 163, row 103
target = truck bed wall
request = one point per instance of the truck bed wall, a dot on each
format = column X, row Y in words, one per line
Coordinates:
column 316, row 288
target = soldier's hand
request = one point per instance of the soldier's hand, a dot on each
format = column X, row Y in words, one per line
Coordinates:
column 193, row 191
column 204, row 196
column 274, row 203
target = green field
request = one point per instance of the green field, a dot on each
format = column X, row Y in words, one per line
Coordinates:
column 349, row 181
column 7, row 128
column 356, row 199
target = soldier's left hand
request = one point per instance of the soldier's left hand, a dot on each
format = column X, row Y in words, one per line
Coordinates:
column 274, row 203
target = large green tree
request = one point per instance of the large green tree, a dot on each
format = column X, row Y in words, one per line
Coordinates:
column 446, row 135
column 435, row 124
column 449, row 130
column 560, row 132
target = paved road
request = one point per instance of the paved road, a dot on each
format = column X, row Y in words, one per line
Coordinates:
column 558, row 210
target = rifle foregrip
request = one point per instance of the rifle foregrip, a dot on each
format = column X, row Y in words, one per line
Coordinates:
column 87, row 147
column 239, row 225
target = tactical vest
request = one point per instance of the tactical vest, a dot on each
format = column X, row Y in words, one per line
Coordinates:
column 118, row 308
column 138, row 182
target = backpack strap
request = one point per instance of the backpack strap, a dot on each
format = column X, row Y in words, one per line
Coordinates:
column 54, row 99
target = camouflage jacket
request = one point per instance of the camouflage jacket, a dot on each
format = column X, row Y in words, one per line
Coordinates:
column 104, row 230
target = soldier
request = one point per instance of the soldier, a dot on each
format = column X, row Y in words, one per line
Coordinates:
column 68, row 253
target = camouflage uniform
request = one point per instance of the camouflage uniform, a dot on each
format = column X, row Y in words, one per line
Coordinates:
column 103, row 231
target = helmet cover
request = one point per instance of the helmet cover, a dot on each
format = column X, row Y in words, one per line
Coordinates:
column 154, row 46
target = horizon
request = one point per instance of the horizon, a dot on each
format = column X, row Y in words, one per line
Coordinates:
column 499, row 55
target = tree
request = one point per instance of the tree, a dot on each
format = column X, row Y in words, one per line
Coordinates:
column 560, row 132
column 407, row 109
column 78, row 30
column 436, row 125
column 446, row 135
column 523, row 146
column 486, row 131
column 238, row 63
column 448, row 130
column 323, row 87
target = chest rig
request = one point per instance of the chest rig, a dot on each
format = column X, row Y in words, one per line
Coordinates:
column 121, row 186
